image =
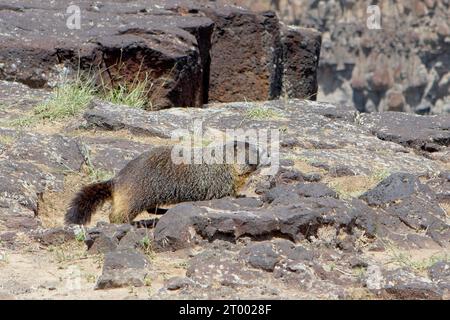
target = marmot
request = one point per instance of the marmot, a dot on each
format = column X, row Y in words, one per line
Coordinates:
column 153, row 179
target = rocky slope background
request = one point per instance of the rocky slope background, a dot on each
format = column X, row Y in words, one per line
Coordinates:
column 359, row 208
column 404, row 66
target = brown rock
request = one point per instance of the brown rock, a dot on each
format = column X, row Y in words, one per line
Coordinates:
column 244, row 56
column 139, row 43
column 301, row 51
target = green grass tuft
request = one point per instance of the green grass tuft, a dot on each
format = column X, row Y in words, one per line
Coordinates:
column 134, row 95
column 72, row 97
column 261, row 113
column 68, row 100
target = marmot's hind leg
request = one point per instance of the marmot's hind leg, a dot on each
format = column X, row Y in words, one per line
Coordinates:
column 123, row 211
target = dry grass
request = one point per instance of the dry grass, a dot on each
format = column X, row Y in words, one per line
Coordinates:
column 446, row 207
column 72, row 97
column 263, row 113
column 304, row 165
column 6, row 140
column 348, row 187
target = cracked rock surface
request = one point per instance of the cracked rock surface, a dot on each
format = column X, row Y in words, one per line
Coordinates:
column 358, row 208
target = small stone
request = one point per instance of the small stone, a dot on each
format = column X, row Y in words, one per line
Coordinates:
column 123, row 268
column 260, row 256
column 176, row 283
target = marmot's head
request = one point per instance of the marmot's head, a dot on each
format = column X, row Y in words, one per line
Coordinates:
column 246, row 156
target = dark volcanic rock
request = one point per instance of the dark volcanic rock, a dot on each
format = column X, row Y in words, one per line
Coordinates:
column 53, row 151
column 266, row 255
column 289, row 194
column 55, row 236
column 403, row 195
column 301, row 51
column 123, row 268
column 190, row 52
column 440, row 273
column 402, row 284
column 397, row 186
column 428, row 133
column 260, row 256
column 136, row 238
column 136, row 44
column 112, row 154
column 175, row 231
column 245, row 56
column 105, row 238
column 189, row 223
column 113, row 117
column 177, row 283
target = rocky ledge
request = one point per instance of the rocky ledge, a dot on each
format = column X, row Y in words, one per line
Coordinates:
column 359, row 206
column 190, row 52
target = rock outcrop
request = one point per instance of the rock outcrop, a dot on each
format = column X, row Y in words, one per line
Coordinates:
column 357, row 205
column 350, row 192
column 403, row 66
column 188, row 52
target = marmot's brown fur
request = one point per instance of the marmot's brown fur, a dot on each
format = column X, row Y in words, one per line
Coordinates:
column 153, row 179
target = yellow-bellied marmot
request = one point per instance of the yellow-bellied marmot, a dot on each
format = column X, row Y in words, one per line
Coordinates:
column 153, row 179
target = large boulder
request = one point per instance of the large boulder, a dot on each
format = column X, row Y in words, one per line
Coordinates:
column 189, row 52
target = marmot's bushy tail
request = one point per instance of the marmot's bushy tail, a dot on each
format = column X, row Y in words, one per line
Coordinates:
column 87, row 200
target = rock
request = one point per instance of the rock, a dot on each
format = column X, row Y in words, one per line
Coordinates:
column 113, row 117
column 188, row 224
column 53, row 151
column 54, row 236
column 361, row 66
column 397, row 186
column 140, row 238
column 312, row 177
column 409, row 130
column 356, row 262
column 146, row 42
column 123, row 268
column 341, row 171
column 260, row 256
column 266, row 255
column 8, row 237
column 298, row 275
column 439, row 272
column 374, row 278
column 245, row 55
column 177, row 283
column 174, row 231
column 20, row 222
column 402, row 284
column 315, row 190
column 21, row 182
column 101, row 244
column 104, row 239
column 112, row 154
column 301, row 51
column 189, row 52
column 291, row 194
column 404, row 196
